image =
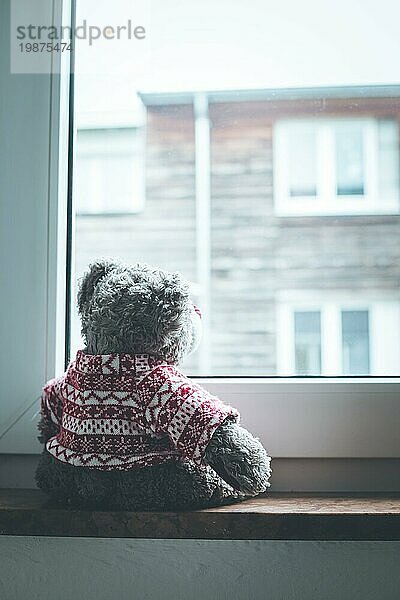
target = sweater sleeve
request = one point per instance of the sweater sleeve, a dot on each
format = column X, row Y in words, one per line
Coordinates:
column 188, row 415
column 50, row 409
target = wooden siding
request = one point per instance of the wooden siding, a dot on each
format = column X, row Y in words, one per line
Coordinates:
column 254, row 253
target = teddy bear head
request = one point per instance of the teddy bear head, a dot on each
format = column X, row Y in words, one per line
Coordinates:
column 137, row 310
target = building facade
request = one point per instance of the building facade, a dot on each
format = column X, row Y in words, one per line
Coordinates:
column 281, row 208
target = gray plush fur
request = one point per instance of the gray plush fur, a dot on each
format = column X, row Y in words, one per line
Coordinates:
column 169, row 486
column 136, row 310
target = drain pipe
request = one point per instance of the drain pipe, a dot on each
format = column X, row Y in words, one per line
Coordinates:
column 203, row 222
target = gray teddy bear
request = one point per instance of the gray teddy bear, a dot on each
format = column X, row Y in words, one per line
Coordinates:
column 124, row 428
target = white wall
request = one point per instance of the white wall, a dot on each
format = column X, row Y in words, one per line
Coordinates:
column 71, row 569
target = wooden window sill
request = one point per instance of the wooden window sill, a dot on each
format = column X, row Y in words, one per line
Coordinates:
column 272, row 517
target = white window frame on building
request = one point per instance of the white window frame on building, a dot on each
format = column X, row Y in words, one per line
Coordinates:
column 380, row 168
column 383, row 329
column 102, row 186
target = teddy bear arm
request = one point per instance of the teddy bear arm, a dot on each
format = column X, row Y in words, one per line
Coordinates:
column 239, row 458
column 47, row 429
column 50, row 410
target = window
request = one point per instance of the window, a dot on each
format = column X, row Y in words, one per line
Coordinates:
column 219, row 167
column 330, row 333
column 302, row 147
column 109, row 171
column 307, row 342
column 355, row 342
column 211, row 212
column 340, row 166
column 350, row 159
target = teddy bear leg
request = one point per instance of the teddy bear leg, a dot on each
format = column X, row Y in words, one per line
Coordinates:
column 170, row 486
column 76, row 486
column 54, row 478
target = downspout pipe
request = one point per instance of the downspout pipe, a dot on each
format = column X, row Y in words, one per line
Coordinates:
column 203, row 221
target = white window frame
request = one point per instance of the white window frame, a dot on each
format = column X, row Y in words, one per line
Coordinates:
column 384, row 315
column 326, row 201
column 34, row 242
column 313, row 418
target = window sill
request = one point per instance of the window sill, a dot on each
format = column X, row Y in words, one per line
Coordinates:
column 272, row 517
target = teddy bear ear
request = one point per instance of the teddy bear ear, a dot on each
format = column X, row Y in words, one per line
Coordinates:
column 96, row 272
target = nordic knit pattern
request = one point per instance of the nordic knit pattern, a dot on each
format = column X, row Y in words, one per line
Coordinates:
column 119, row 411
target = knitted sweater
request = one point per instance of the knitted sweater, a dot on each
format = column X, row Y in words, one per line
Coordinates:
column 120, row 411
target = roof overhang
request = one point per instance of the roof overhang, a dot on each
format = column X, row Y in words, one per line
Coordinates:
column 368, row 91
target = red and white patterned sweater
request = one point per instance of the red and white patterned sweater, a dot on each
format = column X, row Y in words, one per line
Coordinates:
column 120, row 411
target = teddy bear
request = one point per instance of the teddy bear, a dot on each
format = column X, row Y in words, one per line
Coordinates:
column 124, row 428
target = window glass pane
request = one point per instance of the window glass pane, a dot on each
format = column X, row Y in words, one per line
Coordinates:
column 302, row 145
column 307, row 332
column 388, row 132
column 176, row 167
column 355, row 340
column 349, row 142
